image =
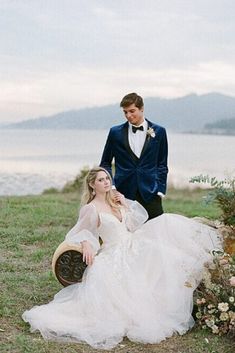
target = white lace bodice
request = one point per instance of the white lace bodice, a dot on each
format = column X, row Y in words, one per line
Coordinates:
column 111, row 229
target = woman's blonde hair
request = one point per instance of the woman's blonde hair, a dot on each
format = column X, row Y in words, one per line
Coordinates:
column 88, row 191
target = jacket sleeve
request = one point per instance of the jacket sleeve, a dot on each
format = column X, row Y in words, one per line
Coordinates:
column 107, row 156
column 86, row 228
column 162, row 168
column 136, row 215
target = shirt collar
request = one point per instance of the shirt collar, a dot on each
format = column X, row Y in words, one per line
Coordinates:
column 144, row 124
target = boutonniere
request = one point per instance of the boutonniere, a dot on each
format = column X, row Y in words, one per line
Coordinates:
column 151, row 132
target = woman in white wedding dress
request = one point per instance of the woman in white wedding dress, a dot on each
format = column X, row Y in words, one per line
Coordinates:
column 138, row 284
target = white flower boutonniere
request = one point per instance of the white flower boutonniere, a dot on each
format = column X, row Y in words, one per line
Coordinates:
column 151, row 132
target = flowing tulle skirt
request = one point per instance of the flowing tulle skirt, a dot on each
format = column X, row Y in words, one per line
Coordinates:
column 140, row 287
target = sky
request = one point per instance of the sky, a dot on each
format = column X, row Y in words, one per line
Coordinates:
column 58, row 55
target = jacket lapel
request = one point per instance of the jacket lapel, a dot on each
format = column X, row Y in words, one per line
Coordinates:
column 126, row 142
column 147, row 139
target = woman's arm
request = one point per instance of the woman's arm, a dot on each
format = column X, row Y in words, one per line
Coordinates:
column 85, row 232
column 87, row 252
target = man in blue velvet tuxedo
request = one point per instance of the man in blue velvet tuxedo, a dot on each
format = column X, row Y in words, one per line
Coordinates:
column 139, row 150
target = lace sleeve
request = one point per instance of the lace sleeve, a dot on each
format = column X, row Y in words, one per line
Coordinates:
column 85, row 228
column 136, row 215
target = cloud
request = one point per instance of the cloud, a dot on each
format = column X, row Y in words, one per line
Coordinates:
column 85, row 87
column 58, row 56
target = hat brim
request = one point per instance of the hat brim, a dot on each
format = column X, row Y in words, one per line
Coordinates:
column 67, row 263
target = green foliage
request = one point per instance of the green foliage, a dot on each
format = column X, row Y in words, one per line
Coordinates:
column 223, row 194
column 51, row 191
column 74, row 185
column 189, row 203
column 77, row 183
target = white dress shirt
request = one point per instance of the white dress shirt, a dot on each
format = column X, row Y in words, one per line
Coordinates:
column 137, row 139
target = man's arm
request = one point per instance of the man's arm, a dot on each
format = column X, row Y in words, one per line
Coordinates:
column 162, row 168
column 107, row 156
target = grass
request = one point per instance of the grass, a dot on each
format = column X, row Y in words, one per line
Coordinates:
column 30, row 230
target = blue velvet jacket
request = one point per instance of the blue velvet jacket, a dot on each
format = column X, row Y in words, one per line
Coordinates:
column 147, row 174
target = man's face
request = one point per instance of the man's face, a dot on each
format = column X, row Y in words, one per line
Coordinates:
column 134, row 115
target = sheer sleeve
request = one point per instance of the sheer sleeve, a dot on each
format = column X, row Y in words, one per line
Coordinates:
column 85, row 228
column 136, row 215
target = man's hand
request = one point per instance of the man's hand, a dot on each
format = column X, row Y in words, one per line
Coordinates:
column 87, row 253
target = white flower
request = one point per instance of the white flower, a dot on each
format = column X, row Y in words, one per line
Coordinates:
column 151, row 132
column 211, row 311
column 223, row 307
column 224, row 316
column 232, row 315
column 232, row 281
column 201, row 301
column 231, row 299
column 210, row 323
column 207, row 279
column 215, row 329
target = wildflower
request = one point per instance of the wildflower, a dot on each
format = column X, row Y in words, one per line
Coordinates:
column 217, row 310
column 224, row 316
column 232, row 281
column 223, row 307
column 232, row 315
column 201, row 301
column 215, row 329
column 212, row 311
column 210, row 306
column 210, row 323
column 207, row 279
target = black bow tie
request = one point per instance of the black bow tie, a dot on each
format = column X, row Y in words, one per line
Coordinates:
column 135, row 128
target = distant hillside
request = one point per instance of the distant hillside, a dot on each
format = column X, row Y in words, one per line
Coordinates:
column 189, row 113
column 222, row 124
column 226, row 126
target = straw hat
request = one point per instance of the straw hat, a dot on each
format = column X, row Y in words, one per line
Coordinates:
column 67, row 264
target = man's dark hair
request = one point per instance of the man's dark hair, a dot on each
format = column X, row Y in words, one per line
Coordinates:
column 130, row 99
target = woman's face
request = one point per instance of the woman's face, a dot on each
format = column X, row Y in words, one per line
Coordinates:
column 102, row 183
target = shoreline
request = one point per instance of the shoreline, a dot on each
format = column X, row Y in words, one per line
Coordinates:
column 24, row 184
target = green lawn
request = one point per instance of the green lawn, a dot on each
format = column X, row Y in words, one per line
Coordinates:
column 30, row 229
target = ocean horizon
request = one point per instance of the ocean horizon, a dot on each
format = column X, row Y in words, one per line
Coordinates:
column 35, row 160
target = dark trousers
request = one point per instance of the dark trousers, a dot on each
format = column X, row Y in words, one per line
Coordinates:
column 153, row 207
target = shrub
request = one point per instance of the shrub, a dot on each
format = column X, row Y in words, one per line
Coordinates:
column 77, row 183
column 223, row 194
column 50, row 191
column 215, row 296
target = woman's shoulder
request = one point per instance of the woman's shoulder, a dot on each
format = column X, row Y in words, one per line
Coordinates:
column 89, row 207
